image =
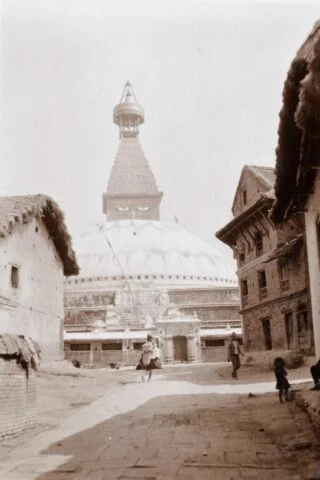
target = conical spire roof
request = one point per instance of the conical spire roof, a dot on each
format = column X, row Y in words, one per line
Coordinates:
column 131, row 172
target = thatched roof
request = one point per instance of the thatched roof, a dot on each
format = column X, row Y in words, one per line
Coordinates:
column 22, row 209
column 298, row 150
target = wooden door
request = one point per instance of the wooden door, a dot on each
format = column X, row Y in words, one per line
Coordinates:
column 180, row 348
column 266, row 328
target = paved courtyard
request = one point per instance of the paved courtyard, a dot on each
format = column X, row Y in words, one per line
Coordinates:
column 188, row 423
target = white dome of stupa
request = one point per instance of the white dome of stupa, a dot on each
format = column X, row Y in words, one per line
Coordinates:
column 148, row 248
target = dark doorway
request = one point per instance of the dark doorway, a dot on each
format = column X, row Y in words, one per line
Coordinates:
column 288, row 323
column 304, row 330
column 266, row 328
column 180, row 348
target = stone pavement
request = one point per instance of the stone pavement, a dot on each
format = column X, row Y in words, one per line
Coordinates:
column 173, row 430
column 310, row 402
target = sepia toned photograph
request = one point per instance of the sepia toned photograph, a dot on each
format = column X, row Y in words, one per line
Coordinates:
column 159, row 240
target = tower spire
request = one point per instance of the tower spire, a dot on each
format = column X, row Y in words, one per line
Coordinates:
column 132, row 190
column 128, row 114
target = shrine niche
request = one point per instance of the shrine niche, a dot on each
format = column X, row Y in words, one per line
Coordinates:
column 179, row 335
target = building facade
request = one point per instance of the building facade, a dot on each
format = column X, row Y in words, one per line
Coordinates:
column 297, row 187
column 272, row 270
column 35, row 255
column 141, row 275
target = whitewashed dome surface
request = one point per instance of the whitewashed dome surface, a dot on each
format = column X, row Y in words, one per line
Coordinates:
column 150, row 248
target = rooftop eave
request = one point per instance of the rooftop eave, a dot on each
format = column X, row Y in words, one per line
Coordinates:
column 225, row 233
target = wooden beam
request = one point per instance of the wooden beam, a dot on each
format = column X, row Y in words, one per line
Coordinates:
column 246, row 239
column 266, row 217
column 261, row 224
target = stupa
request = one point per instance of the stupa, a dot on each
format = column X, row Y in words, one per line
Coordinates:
column 138, row 266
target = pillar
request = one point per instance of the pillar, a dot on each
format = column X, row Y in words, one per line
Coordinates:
column 168, row 349
column 191, row 348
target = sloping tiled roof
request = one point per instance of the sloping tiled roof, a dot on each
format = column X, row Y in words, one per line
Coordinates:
column 265, row 174
column 299, row 130
column 131, row 172
column 21, row 209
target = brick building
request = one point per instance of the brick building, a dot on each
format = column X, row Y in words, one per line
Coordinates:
column 19, row 358
column 141, row 275
column 272, row 269
column 35, row 255
column 297, row 186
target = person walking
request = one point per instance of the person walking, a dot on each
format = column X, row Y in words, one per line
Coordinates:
column 147, row 358
column 234, row 352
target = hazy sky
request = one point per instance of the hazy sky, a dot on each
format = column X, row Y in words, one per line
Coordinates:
column 209, row 75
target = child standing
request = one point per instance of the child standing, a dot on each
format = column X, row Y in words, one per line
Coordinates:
column 281, row 375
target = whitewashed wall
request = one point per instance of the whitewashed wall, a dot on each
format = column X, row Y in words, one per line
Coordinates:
column 39, row 296
column 312, row 216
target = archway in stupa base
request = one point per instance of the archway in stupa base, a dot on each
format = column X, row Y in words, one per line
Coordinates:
column 180, row 348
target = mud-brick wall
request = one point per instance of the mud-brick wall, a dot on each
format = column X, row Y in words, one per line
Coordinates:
column 18, row 411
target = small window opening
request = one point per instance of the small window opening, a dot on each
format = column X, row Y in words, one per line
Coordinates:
column 258, row 241
column 244, row 197
column 14, row 276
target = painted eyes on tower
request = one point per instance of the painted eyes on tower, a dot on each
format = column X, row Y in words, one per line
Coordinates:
column 143, row 209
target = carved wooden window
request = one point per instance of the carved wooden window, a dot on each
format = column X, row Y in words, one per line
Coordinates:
column 244, row 292
column 283, row 277
column 258, row 242
column 262, row 282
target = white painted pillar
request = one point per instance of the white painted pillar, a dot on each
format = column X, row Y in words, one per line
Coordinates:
column 168, row 349
column 191, row 348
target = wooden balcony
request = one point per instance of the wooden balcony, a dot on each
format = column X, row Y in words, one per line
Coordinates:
column 284, row 285
column 244, row 301
column 263, row 293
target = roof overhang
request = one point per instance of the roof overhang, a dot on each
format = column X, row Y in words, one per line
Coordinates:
column 298, row 150
column 289, row 250
column 230, row 232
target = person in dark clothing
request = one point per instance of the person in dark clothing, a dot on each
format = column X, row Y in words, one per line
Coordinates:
column 234, row 352
column 281, row 375
column 315, row 373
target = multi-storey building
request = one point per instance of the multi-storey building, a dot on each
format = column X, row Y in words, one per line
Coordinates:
column 272, row 269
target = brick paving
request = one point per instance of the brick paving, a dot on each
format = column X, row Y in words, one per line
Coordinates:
column 193, row 431
column 194, row 437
